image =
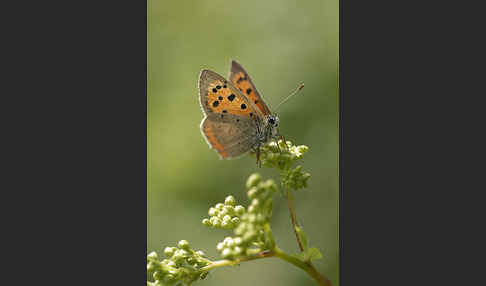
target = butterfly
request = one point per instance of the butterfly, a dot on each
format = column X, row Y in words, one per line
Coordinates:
column 236, row 119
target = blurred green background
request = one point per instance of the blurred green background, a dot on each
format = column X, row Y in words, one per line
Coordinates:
column 280, row 44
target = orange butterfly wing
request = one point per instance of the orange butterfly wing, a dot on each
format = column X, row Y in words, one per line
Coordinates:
column 220, row 96
column 240, row 79
column 230, row 122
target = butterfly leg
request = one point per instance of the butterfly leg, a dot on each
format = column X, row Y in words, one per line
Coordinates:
column 259, row 163
column 285, row 141
column 278, row 146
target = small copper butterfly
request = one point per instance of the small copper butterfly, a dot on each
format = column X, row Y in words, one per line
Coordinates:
column 236, row 119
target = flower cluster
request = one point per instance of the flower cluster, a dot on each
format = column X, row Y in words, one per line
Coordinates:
column 182, row 264
column 295, row 178
column 281, row 154
column 252, row 234
column 225, row 215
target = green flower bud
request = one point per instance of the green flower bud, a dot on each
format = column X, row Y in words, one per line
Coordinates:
column 152, row 256
column 260, row 219
column 223, row 212
column 240, row 210
column 169, row 278
column 249, row 236
column 269, row 184
column 213, row 212
column 226, row 224
column 230, row 201
column 229, row 210
column 219, row 206
column 215, row 222
column 183, row 252
column 238, row 240
column 227, row 239
column 171, row 263
column 252, row 251
column 220, row 246
column 151, row 266
column 238, row 250
column 302, row 149
column 158, row 275
column 253, row 180
column 169, row 251
column 191, row 260
column 226, row 218
column 255, row 203
column 226, row 253
column 230, row 243
column 184, row 244
column 201, row 253
column 201, row 263
column 240, row 229
column 235, row 220
column 177, row 258
column 206, row 222
column 253, row 192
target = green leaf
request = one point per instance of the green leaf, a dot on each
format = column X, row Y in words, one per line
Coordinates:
column 302, row 237
column 312, row 254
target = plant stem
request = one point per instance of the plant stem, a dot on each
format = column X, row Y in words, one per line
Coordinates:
column 293, row 218
column 306, row 266
column 276, row 252
column 269, row 233
column 226, row 262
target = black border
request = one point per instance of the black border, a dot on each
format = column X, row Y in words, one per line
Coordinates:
column 407, row 77
column 76, row 175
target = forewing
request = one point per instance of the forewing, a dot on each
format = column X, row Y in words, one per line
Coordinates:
column 241, row 80
column 217, row 95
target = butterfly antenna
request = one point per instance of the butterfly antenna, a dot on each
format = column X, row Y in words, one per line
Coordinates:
column 288, row 97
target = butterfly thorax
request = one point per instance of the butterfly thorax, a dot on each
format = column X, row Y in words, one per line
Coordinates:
column 269, row 128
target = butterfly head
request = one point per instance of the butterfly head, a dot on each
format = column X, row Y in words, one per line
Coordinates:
column 272, row 121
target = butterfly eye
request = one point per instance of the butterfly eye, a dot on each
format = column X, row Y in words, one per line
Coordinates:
column 271, row 121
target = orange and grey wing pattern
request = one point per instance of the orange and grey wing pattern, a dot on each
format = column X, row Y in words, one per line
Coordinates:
column 217, row 95
column 231, row 136
column 230, row 122
column 241, row 80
